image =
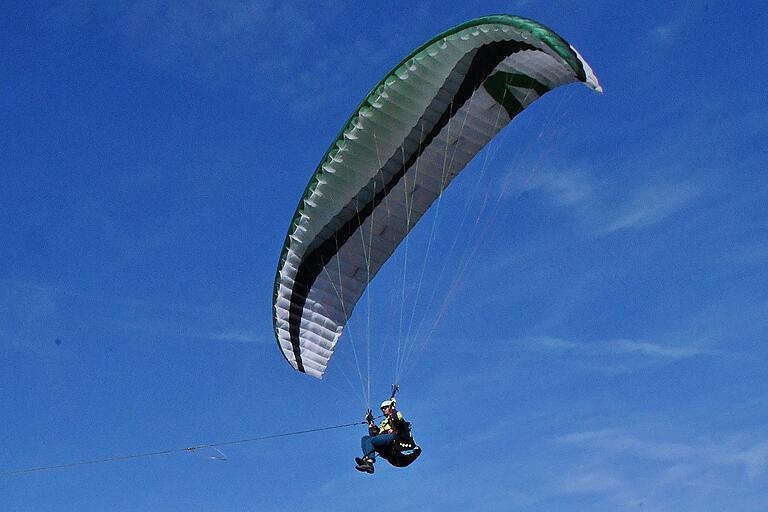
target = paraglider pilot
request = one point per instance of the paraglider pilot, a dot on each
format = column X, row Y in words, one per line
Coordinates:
column 380, row 438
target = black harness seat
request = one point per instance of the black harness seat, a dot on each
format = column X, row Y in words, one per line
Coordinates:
column 404, row 450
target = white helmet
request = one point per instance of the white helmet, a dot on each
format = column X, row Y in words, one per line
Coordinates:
column 388, row 403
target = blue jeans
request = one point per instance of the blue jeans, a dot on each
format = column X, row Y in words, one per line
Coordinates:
column 370, row 444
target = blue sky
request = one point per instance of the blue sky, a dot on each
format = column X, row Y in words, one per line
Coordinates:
column 600, row 330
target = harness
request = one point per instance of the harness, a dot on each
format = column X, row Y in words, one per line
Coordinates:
column 404, row 449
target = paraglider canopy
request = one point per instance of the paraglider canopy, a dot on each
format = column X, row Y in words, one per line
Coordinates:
column 408, row 139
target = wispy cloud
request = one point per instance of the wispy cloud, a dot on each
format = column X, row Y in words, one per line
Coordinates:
column 685, row 460
column 590, row 482
column 657, row 350
column 609, row 440
column 195, row 321
column 239, row 337
column 211, row 36
column 197, row 328
column 665, row 33
column 273, row 49
column 30, row 318
column 599, row 214
column 650, row 205
column 268, row 48
column 42, row 319
column 754, row 458
column 566, row 188
column 677, row 21
column 618, row 346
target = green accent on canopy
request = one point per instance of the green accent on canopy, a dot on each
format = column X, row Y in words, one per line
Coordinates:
column 498, row 86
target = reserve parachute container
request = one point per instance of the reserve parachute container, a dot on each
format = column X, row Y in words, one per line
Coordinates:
column 413, row 133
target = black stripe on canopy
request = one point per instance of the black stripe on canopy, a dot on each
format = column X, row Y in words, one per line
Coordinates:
column 484, row 62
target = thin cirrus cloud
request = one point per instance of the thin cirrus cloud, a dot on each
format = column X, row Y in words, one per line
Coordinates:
column 651, row 205
column 612, row 347
column 611, row 441
column 590, row 482
column 236, row 336
column 269, row 48
column 629, row 469
column 214, row 33
column 751, row 457
column 31, row 318
column 35, row 318
column 599, row 215
column 657, row 350
column 249, row 45
column 754, row 458
column 181, row 328
column 666, row 33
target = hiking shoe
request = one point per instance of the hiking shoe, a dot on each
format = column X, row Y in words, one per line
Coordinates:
column 366, row 467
